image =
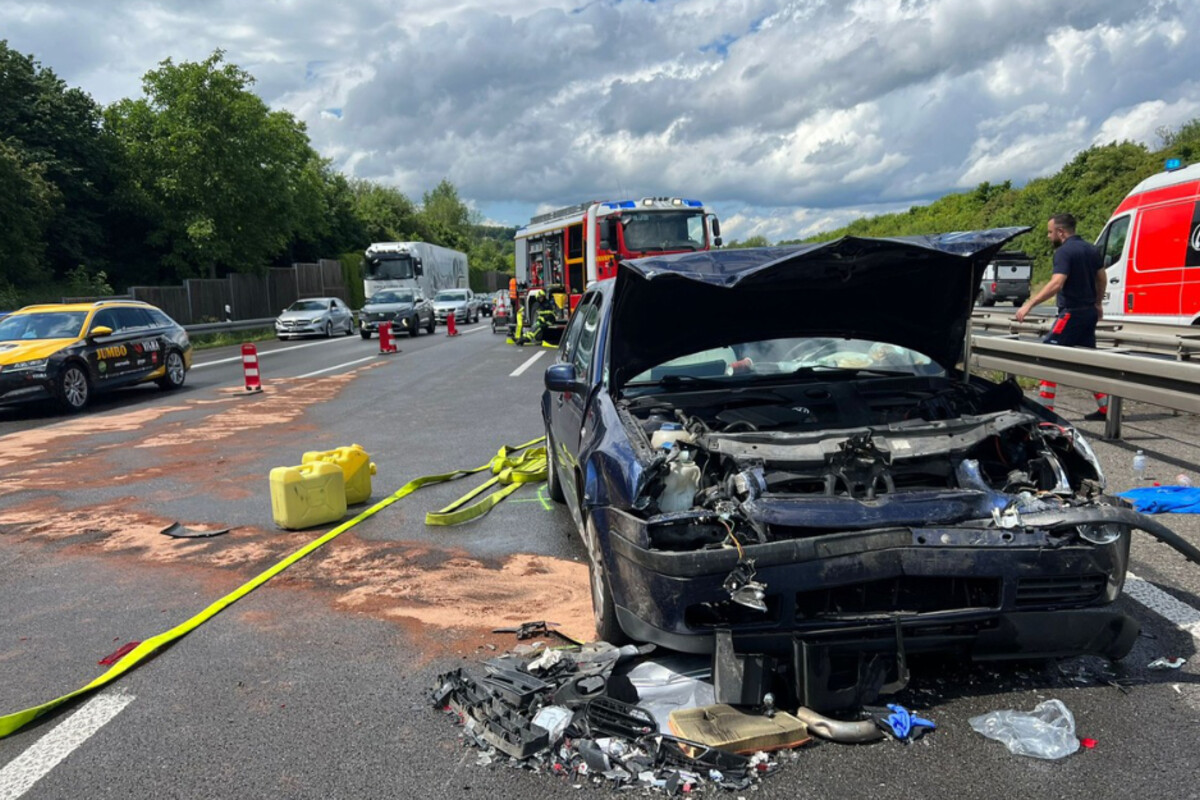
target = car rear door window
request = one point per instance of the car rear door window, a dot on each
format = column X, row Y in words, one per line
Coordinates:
column 134, row 319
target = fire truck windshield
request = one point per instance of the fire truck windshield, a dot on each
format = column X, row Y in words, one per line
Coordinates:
column 389, row 266
column 656, row 231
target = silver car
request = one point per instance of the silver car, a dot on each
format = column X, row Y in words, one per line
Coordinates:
column 462, row 303
column 315, row 316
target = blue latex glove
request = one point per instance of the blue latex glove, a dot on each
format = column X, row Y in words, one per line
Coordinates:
column 905, row 724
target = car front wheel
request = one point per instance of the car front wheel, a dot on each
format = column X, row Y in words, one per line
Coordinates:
column 603, row 607
column 74, row 388
column 329, row 329
column 175, row 373
column 364, row 333
column 432, row 324
column 553, row 487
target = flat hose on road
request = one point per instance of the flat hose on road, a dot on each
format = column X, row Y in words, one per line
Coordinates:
column 524, row 464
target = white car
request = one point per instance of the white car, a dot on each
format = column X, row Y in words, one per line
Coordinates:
column 315, row 316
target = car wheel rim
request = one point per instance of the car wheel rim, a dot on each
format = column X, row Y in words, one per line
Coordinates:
column 175, row 368
column 75, row 388
column 596, row 571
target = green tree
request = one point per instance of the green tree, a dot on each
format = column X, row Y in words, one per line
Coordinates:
column 385, row 214
column 445, row 218
column 27, row 205
column 53, row 133
column 227, row 182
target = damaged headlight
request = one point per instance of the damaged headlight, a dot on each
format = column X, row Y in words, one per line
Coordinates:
column 1101, row 534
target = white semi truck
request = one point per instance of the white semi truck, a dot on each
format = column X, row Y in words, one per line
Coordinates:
column 414, row 265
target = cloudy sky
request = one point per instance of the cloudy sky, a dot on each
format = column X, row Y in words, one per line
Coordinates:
column 786, row 117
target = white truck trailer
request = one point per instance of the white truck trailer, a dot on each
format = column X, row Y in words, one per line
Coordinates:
column 415, row 265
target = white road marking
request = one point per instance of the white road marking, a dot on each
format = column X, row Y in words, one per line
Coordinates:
column 25, row 770
column 528, row 363
column 474, row 330
column 339, row 366
column 263, row 353
column 1181, row 614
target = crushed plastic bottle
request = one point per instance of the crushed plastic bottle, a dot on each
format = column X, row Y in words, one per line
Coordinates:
column 1139, row 466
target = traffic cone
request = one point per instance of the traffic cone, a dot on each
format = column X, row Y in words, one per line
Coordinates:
column 250, row 367
column 386, row 343
column 451, row 329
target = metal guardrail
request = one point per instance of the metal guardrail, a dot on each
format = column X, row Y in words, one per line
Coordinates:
column 1135, row 361
column 1181, row 342
column 238, row 325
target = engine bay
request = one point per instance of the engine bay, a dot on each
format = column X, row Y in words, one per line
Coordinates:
column 760, row 463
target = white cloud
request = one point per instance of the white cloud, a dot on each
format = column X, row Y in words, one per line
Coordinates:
column 1141, row 122
column 784, row 114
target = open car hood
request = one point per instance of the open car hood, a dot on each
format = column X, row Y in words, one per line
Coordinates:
column 912, row 291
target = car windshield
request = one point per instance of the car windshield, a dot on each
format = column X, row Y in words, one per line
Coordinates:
column 657, row 231
column 42, row 325
column 379, row 298
column 793, row 356
column 309, row 305
column 451, row 297
column 389, row 266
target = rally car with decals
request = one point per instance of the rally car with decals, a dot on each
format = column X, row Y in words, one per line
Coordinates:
column 68, row 352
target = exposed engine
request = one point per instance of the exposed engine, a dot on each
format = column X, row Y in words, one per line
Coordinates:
column 759, row 464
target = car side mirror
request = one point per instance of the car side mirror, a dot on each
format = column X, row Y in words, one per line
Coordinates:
column 100, row 330
column 1108, row 261
column 561, row 378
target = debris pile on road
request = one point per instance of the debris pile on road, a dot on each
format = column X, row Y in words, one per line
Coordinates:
column 570, row 712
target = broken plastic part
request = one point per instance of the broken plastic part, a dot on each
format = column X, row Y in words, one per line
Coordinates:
column 609, row 717
column 740, row 680
column 516, row 687
column 576, row 692
column 177, row 531
column 554, row 719
column 742, row 587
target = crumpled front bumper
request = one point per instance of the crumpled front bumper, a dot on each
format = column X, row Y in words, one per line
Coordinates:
column 988, row 593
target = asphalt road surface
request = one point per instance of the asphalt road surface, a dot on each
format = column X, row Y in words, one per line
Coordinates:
column 314, row 685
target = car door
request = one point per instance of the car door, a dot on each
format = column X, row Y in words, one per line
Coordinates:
column 146, row 340
column 568, row 409
column 111, row 356
column 343, row 315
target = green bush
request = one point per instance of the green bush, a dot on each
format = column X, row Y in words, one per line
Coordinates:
column 352, row 276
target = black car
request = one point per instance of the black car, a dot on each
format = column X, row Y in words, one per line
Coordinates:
column 67, row 352
column 407, row 310
column 772, row 456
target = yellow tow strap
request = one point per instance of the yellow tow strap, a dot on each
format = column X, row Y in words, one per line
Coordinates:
column 528, row 467
column 520, row 469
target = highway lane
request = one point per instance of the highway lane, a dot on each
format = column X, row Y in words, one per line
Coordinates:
column 222, row 368
column 313, row 686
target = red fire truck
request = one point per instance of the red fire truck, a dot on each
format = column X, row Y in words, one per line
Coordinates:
column 563, row 251
column 1151, row 248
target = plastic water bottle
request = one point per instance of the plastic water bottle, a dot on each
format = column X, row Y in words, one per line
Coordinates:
column 1139, row 465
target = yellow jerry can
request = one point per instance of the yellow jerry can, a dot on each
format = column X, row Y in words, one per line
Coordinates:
column 356, row 467
column 307, row 495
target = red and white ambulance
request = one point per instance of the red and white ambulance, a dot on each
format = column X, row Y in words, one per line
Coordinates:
column 1151, row 248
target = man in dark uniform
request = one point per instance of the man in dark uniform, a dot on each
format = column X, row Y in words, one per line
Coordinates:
column 1078, row 279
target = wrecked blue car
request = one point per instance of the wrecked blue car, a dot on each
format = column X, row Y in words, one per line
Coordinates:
column 774, row 456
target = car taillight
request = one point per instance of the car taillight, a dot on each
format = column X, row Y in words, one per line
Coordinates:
column 993, row 288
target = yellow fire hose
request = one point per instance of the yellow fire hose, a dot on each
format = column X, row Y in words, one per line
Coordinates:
column 513, row 470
